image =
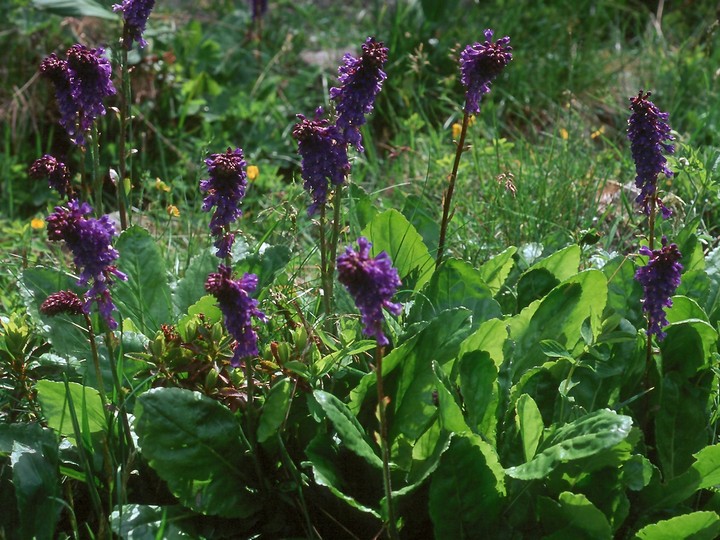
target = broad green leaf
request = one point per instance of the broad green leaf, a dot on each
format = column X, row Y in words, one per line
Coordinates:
column 146, row 522
column 544, row 275
column 328, row 471
column 37, row 488
column 194, row 444
column 680, row 422
column 145, row 296
column 426, row 453
column 56, row 409
column 32, row 435
column 553, row 349
column 530, row 424
column 274, row 410
column 423, row 217
column 573, row 516
column 479, row 388
column 392, row 233
column 66, row 333
column 495, row 271
column 695, row 526
column 559, row 316
column 624, row 291
column 75, row 8
column 467, row 490
column 191, row 287
column 704, row 473
column 207, row 306
column 690, row 340
column 348, row 428
column 456, row 284
column 490, row 337
column 584, row 437
column 408, row 375
column 451, row 416
column 361, row 207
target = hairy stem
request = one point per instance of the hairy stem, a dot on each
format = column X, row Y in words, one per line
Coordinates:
column 447, row 197
column 392, row 525
column 122, row 196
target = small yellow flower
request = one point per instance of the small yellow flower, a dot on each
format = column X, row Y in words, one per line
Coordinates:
column 173, row 211
column 471, row 120
column 595, row 134
column 161, row 186
column 564, row 135
column 252, row 172
column 456, row 130
column 37, row 223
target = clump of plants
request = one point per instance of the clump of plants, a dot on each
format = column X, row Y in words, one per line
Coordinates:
column 388, row 389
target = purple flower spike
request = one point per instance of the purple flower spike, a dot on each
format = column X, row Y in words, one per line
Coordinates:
column 361, row 79
column 237, row 308
column 225, row 190
column 56, row 71
column 90, row 82
column 480, row 63
column 259, row 8
column 649, row 132
column 371, row 282
column 89, row 240
column 660, row 279
column 135, row 14
column 56, row 173
column 324, row 157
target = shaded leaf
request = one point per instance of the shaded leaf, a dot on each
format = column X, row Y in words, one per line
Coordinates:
column 573, row 516
column 274, row 410
column 695, row 526
column 194, row 444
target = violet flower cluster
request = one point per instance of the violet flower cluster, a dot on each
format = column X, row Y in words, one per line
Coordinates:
column 649, row 134
column 135, row 14
column 81, row 83
column 89, row 239
column 324, row 157
column 372, row 282
column 660, row 278
column 480, row 63
column 233, row 296
column 225, row 190
column 55, row 172
column 259, row 8
column 67, row 302
column 361, row 79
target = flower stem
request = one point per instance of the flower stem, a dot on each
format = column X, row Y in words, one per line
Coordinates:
column 97, row 180
column 336, row 226
column 122, row 196
column 324, row 266
column 392, row 525
column 447, row 197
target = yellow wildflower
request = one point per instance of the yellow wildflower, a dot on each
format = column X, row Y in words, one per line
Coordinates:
column 595, row 134
column 564, row 135
column 252, row 172
column 456, row 130
column 37, row 223
column 173, row 211
column 161, row 186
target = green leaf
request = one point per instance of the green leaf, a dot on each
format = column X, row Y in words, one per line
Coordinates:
column 37, row 488
column 434, row 10
column 326, row 465
column 348, row 428
column 690, row 340
column 146, row 522
column 467, row 490
column 573, row 516
column 543, row 276
column 191, row 287
column 495, row 271
column 66, row 333
column 75, row 8
column 553, row 349
column 584, row 437
column 695, row 526
column 56, row 410
column 559, row 316
column 194, row 444
column 451, row 416
column 680, row 422
column 274, row 410
column 456, row 284
column 530, row 424
column 391, row 232
column 704, row 473
column 145, row 296
column 479, row 388
column 265, row 265
column 361, row 208
column 409, row 379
